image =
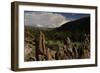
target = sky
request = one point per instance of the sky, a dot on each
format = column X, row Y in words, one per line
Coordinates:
column 50, row 19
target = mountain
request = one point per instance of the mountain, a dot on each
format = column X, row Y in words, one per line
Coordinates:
column 80, row 25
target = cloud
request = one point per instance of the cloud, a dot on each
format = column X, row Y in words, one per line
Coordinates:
column 43, row 19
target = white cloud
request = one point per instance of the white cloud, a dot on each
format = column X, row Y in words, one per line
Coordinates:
column 43, row 19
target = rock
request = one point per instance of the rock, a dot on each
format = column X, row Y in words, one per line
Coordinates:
column 86, row 46
column 48, row 54
column 75, row 52
column 42, row 47
column 68, row 48
column 27, row 51
column 41, row 51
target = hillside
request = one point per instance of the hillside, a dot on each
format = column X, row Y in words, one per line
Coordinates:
column 81, row 25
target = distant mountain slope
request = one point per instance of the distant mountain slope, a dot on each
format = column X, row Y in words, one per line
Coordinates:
column 80, row 25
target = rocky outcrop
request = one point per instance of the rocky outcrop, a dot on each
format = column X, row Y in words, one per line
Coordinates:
column 42, row 47
column 42, row 52
column 67, row 51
